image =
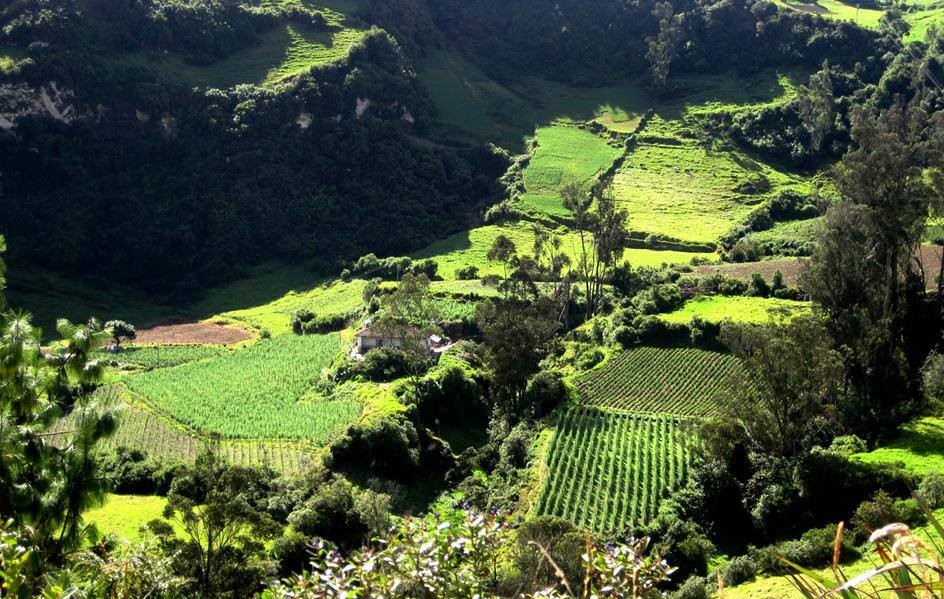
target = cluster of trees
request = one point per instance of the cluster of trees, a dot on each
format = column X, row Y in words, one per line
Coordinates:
column 331, row 188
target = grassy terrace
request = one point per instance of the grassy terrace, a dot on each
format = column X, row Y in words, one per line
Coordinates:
column 753, row 310
column 564, row 154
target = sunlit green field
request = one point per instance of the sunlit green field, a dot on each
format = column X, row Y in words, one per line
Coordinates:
column 677, row 188
column 919, row 448
column 262, row 392
column 754, row 310
column 337, row 298
column 833, row 9
column 124, row 515
column 470, row 248
column 564, row 154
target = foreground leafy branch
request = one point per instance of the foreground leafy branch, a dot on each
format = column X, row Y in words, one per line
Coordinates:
column 437, row 558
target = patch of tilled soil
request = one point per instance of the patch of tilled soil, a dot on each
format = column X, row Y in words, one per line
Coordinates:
column 193, row 332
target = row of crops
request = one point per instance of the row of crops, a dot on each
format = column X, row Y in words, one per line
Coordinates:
column 682, row 381
column 253, row 393
column 609, row 469
column 153, row 435
column 162, row 356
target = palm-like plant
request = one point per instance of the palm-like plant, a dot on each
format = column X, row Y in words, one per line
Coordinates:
column 908, row 568
column 49, row 476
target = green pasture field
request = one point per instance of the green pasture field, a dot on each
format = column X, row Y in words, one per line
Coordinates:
column 162, row 356
column 919, row 448
column 125, row 515
column 922, row 21
column 470, row 248
column 677, row 188
column 607, row 470
column 750, row 310
column 254, row 393
column 680, row 381
column 794, row 231
column 564, row 154
column 833, row 9
column 329, row 299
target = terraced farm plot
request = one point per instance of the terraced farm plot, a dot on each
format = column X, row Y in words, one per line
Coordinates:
column 750, row 310
column 677, row 189
column 564, row 154
column 338, row 298
column 163, row 356
column 158, row 437
column 470, row 248
column 606, row 470
column 253, row 393
column 680, row 381
column 795, row 236
column 790, row 268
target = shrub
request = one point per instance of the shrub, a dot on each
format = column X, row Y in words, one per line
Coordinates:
column 695, row 587
column 933, row 375
column 931, row 490
column 387, row 446
column 467, row 273
column 758, row 287
column 291, row 552
column 383, row 364
column 545, row 391
column 739, row 570
column 306, row 322
column 848, row 445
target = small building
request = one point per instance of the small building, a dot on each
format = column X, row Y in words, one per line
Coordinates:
column 368, row 339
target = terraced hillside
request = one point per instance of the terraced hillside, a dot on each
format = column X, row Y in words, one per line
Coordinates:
column 255, row 393
column 607, row 469
column 679, row 381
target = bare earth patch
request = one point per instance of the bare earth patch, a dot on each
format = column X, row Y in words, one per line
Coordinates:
column 789, row 267
column 192, row 332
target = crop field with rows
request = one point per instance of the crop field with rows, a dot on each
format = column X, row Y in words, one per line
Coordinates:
column 682, row 381
column 253, row 393
column 157, row 437
column 162, row 356
column 607, row 469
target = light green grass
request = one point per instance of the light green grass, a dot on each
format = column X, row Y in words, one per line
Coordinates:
column 124, row 515
column 564, row 154
column 470, row 248
column 11, row 58
column 921, row 21
column 750, row 310
column 336, row 298
column 781, row 587
column 919, row 448
column 283, row 52
column 794, row 232
column 833, row 9
column 261, row 392
column 676, row 188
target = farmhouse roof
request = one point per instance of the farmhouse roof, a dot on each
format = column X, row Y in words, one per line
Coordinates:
column 366, row 331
